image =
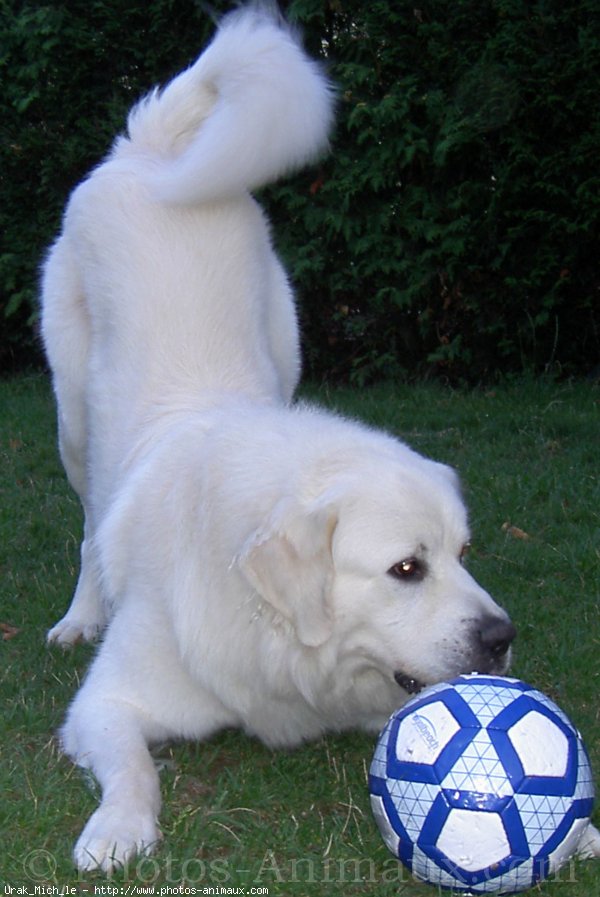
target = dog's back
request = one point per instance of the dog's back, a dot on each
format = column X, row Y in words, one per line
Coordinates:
column 174, row 291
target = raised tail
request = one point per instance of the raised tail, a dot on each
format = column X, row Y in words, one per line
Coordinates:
column 253, row 107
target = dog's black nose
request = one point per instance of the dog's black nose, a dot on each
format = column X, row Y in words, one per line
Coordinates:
column 496, row 636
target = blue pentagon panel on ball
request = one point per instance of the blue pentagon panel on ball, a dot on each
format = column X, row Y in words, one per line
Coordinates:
column 481, row 784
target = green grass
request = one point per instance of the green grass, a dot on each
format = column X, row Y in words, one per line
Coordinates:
column 298, row 823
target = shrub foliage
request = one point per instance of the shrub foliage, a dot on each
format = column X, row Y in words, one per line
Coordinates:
column 453, row 229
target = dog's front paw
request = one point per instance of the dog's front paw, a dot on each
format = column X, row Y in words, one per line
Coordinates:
column 589, row 846
column 113, row 835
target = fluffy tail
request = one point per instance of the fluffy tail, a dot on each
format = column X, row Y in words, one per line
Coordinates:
column 252, row 108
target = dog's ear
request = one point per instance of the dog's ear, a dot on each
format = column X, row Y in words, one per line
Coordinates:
column 289, row 563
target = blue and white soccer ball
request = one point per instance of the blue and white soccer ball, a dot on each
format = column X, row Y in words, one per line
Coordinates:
column 481, row 784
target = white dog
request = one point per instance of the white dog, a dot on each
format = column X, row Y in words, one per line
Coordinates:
column 258, row 565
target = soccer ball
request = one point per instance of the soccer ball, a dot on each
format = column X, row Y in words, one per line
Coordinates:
column 481, row 784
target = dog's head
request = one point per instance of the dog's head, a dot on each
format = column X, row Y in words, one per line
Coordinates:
column 370, row 569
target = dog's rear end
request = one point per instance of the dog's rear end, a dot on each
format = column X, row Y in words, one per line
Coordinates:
column 163, row 291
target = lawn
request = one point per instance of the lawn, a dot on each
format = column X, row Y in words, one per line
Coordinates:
column 298, row 823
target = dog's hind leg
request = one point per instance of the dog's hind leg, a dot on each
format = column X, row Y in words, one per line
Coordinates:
column 281, row 328
column 86, row 616
column 66, row 334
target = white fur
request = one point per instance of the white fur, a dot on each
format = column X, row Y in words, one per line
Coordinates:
column 227, row 125
column 239, row 549
column 147, row 303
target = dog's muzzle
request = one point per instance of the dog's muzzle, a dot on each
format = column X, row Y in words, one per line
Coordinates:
column 491, row 639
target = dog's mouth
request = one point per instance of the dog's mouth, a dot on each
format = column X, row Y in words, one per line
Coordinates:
column 408, row 683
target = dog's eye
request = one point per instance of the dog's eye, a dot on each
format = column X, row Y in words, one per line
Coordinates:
column 464, row 552
column 408, row 570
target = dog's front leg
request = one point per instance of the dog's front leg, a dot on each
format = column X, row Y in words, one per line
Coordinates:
column 110, row 737
column 137, row 693
column 589, row 846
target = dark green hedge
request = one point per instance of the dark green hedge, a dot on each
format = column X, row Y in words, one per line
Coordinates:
column 454, row 228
